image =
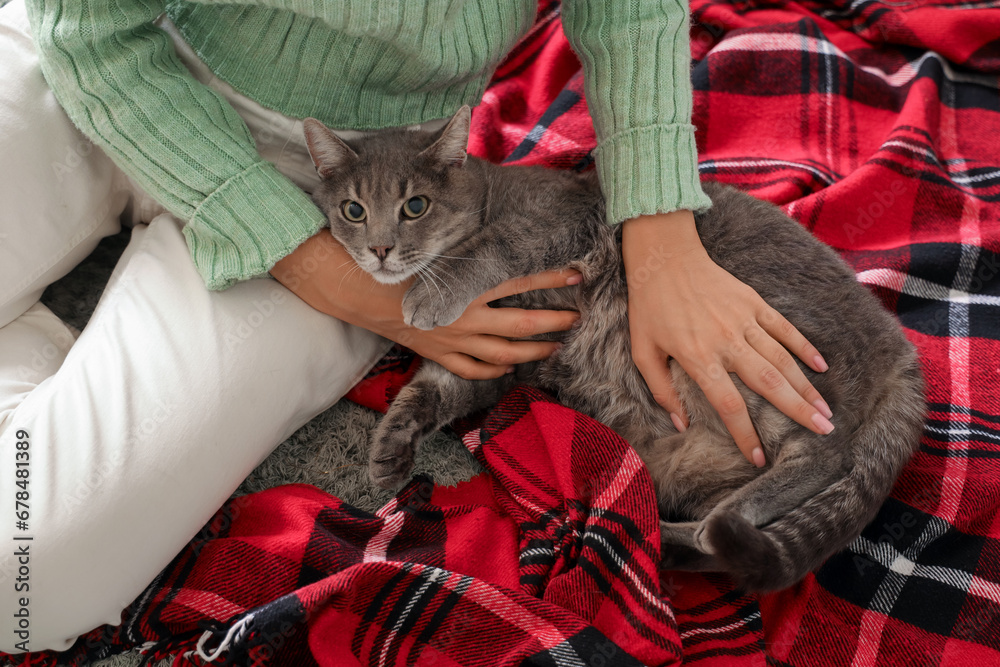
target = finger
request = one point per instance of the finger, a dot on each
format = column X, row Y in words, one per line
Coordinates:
column 763, row 378
column 732, row 409
column 779, row 357
column 502, row 352
column 471, row 368
column 656, row 373
column 782, row 331
column 522, row 323
column 543, row 280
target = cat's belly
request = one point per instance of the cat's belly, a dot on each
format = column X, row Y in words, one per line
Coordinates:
column 594, row 373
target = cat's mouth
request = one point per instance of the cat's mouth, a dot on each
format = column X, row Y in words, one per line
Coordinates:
column 387, row 271
column 389, row 275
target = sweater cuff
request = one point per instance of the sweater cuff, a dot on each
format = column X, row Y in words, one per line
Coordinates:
column 650, row 170
column 249, row 223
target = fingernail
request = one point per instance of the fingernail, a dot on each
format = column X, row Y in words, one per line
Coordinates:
column 822, row 423
column 510, row 369
column 678, row 424
column 559, row 346
column 821, row 405
column 575, row 279
column 820, row 363
column 758, row 457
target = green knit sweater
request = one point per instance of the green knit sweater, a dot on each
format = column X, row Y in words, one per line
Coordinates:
column 354, row 64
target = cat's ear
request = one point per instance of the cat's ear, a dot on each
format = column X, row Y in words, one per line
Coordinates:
column 451, row 147
column 328, row 151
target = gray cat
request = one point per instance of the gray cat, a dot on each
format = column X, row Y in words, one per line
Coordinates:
column 407, row 203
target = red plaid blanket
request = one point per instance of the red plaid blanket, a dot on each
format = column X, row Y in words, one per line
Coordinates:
column 876, row 125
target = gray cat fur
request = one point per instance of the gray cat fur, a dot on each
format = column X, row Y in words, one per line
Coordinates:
column 485, row 224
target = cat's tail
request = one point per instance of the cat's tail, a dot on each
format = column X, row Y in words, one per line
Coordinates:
column 837, row 507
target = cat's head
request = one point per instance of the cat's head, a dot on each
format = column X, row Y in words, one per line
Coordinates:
column 398, row 198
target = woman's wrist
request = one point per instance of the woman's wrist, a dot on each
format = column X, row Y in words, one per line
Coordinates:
column 658, row 241
column 325, row 276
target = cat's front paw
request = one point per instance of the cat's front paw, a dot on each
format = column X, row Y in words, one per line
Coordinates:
column 425, row 310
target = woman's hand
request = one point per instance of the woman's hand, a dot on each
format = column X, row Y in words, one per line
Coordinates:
column 476, row 346
column 684, row 306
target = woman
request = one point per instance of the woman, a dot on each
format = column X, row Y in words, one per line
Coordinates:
column 195, row 364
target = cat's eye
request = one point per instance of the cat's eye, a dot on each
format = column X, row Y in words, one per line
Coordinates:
column 415, row 206
column 353, row 211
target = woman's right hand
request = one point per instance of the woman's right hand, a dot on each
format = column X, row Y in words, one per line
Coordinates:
column 477, row 346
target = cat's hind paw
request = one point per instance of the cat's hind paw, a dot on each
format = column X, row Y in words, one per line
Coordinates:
column 390, row 459
column 391, row 472
column 678, row 551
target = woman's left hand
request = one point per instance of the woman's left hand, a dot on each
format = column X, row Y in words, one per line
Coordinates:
column 684, row 306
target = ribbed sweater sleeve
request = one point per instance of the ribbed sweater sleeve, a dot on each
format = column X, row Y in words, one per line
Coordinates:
column 121, row 82
column 637, row 81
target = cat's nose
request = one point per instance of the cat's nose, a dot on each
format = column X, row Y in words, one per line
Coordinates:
column 381, row 251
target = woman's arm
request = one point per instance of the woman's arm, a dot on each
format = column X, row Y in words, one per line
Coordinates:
column 692, row 310
column 637, row 81
column 636, row 60
column 121, row 82
column 476, row 346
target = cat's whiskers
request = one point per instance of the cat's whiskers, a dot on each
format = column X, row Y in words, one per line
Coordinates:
column 436, row 279
column 356, row 267
column 424, row 269
column 434, row 254
column 425, row 264
column 421, row 274
column 441, row 267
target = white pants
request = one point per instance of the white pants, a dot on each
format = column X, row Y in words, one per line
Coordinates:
column 116, row 447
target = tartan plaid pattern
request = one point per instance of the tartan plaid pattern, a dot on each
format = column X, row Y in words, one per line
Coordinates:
column 882, row 112
column 872, row 123
column 550, row 560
